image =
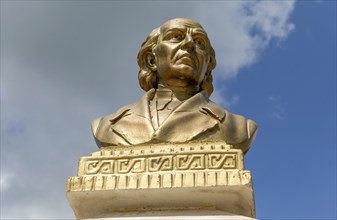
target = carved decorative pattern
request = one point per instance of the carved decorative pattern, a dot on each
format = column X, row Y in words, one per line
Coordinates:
column 190, row 162
column 155, row 180
column 219, row 161
column 162, row 159
column 99, row 166
column 139, row 164
column 134, row 165
column 161, row 163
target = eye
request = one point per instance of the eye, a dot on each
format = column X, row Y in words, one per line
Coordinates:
column 200, row 42
column 175, row 37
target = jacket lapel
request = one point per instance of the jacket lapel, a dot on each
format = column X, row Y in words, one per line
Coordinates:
column 135, row 127
column 191, row 119
column 132, row 124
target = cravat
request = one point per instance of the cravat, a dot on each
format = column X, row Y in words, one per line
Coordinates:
column 162, row 105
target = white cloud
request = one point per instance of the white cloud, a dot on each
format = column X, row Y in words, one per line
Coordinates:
column 219, row 96
column 5, row 180
column 278, row 107
column 241, row 30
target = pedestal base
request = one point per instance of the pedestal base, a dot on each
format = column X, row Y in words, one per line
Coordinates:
column 180, row 215
column 199, row 178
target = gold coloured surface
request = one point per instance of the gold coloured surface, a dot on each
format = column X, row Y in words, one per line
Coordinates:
column 176, row 62
column 174, row 149
column 163, row 158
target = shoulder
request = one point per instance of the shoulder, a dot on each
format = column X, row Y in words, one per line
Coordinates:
column 216, row 110
column 111, row 117
column 238, row 121
column 234, row 121
column 235, row 129
column 239, row 131
column 237, row 126
column 100, row 125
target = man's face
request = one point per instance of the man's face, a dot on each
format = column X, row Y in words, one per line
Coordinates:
column 182, row 53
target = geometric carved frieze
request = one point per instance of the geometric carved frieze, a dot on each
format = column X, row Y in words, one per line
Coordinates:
column 163, row 158
column 160, row 163
column 99, row 166
column 218, row 161
column 127, row 165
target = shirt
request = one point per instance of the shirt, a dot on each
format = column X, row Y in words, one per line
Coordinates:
column 162, row 105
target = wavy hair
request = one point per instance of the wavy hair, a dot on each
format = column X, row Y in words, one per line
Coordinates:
column 148, row 78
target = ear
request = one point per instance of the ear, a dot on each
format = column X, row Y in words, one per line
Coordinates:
column 206, row 77
column 151, row 61
column 211, row 65
column 206, row 84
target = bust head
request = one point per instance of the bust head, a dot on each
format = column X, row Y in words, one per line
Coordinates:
column 178, row 53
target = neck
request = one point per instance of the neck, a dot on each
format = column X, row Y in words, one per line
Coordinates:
column 181, row 92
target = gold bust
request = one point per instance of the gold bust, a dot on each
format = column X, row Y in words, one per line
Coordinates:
column 176, row 61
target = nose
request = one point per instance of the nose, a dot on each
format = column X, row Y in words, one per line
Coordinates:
column 188, row 43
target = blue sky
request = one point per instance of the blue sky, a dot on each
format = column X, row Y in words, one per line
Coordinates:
column 64, row 64
column 293, row 97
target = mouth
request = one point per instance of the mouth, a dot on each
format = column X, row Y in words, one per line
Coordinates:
column 185, row 59
column 183, row 55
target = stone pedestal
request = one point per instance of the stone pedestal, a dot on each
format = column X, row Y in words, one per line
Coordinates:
column 200, row 178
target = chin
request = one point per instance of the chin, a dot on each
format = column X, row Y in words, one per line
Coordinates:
column 186, row 71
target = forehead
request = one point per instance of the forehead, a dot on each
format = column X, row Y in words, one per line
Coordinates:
column 181, row 23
